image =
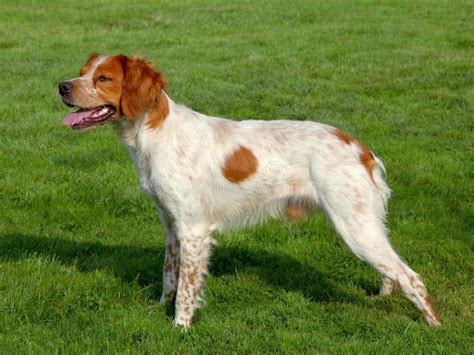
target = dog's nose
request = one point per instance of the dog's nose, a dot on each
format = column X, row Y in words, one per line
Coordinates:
column 65, row 87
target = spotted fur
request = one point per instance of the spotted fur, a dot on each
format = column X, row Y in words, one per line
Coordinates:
column 209, row 174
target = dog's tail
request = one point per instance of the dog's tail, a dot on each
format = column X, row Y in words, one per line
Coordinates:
column 379, row 175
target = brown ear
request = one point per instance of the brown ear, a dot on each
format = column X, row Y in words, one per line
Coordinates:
column 142, row 86
column 92, row 57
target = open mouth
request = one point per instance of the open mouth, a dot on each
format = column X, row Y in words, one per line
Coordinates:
column 87, row 118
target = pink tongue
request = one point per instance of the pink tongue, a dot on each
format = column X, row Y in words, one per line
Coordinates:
column 77, row 117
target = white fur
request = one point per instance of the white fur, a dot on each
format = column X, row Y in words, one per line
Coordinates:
column 180, row 167
column 301, row 166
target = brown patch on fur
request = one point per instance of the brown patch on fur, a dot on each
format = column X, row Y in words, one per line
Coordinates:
column 366, row 157
column 110, row 91
column 368, row 160
column 344, row 137
column 160, row 113
column 240, row 165
column 295, row 211
column 191, row 277
column 429, row 301
column 142, row 87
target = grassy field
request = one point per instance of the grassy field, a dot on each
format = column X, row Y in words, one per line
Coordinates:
column 81, row 249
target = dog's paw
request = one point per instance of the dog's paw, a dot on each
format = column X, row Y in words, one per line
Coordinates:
column 182, row 324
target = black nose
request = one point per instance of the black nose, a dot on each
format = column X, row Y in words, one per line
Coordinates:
column 65, row 87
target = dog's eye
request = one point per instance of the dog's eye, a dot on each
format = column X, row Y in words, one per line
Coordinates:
column 103, row 78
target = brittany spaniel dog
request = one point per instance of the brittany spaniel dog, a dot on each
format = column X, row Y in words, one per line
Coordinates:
column 209, row 174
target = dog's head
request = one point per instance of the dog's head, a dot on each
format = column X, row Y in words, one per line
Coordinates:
column 109, row 87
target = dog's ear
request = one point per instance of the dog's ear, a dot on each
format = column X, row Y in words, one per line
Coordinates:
column 93, row 56
column 141, row 87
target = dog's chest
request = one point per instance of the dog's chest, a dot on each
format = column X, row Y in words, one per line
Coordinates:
column 159, row 175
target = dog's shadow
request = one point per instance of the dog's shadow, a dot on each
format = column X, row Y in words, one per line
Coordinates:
column 133, row 263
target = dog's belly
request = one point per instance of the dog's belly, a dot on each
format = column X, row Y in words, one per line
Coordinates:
column 261, row 198
column 289, row 208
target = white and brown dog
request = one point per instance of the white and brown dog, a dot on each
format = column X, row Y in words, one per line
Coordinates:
column 207, row 174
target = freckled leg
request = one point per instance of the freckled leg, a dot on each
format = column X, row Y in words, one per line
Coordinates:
column 387, row 286
column 361, row 227
column 171, row 266
column 195, row 251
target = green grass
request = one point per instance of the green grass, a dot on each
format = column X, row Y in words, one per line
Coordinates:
column 81, row 248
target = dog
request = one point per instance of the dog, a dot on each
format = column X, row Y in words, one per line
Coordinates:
column 209, row 174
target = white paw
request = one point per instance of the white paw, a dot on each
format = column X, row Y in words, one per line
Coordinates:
column 184, row 325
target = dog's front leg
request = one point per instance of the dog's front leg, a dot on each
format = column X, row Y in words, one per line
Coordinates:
column 195, row 246
column 171, row 265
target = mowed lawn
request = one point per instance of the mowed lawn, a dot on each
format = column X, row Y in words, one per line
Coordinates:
column 81, row 248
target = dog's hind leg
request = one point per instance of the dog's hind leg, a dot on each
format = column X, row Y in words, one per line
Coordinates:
column 356, row 208
column 387, row 286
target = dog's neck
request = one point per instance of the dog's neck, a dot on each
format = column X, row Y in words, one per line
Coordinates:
column 129, row 129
